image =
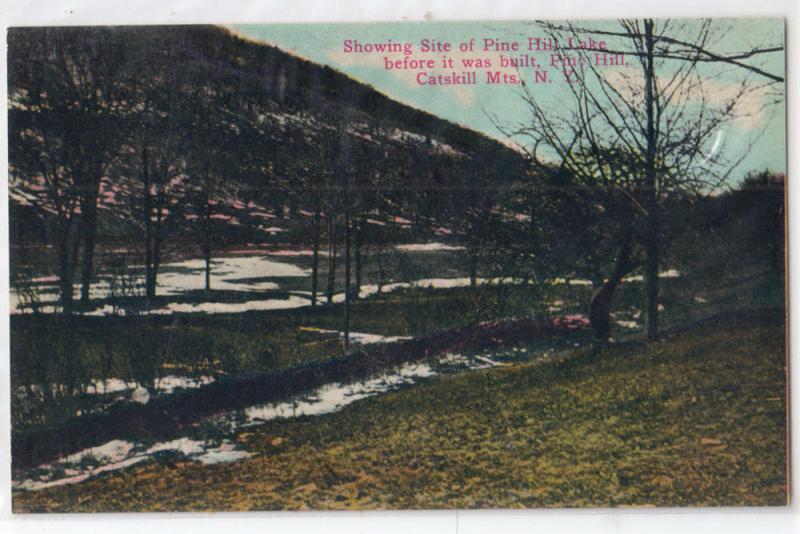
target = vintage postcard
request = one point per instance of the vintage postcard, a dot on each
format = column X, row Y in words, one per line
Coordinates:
column 425, row 265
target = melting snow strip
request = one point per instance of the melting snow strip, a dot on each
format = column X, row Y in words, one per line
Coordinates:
column 329, row 398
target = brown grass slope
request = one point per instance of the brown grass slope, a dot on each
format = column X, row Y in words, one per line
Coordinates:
column 696, row 420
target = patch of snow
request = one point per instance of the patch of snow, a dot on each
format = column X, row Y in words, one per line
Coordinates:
column 140, row 395
column 33, row 485
column 361, row 338
column 119, row 454
column 113, row 451
column 234, row 307
column 227, row 274
column 170, row 383
column 367, row 290
column 111, row 385
column 175, row 280
column 333, row 397
column 427, row 247
column 572, row 282
column 369, row 339
column 671, row 273
column 445, row 283
column 184, row 446
column 105, row 309
column 226, row 452
column 166, row 384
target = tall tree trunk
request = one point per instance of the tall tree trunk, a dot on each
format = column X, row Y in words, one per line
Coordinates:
column 651, row 238
column 381, row 273
column 158, row 242
column 89, row 231
column 148, row 226
column 207, row 243
column 91, row 174
column 359, row 241
column 66, row 268
column 600, row 307
column 207, row 258
column 331, row 257
column 348, row 295
column 473, row 270
column 651, row 265
column 315, row 255
column 64, row 279
column 156, row 264
column 533, row 240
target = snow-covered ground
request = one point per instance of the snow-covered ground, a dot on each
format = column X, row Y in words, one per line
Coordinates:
column 291, row 302
column 245, row 274
column 125, row 390
column 670, row 273
column 119, row 454
column 255, row 273
column 427, row 247
column 233, row 273
column 167, row 384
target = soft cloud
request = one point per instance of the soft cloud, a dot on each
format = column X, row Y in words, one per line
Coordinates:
column 747, row 100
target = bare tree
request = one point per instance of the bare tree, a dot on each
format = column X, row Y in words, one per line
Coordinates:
column 66, row 102
column 650, row 130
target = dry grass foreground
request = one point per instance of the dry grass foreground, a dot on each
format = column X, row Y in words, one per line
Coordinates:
column 698, row 419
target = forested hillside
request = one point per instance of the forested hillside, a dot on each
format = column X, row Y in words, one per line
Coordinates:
column 187, row 140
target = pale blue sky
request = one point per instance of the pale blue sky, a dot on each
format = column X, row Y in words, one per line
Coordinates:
column 468, row 105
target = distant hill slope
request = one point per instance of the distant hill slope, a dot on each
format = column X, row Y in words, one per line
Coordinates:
column 285, row 128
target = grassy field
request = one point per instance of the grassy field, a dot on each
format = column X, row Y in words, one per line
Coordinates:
column 698, row 419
